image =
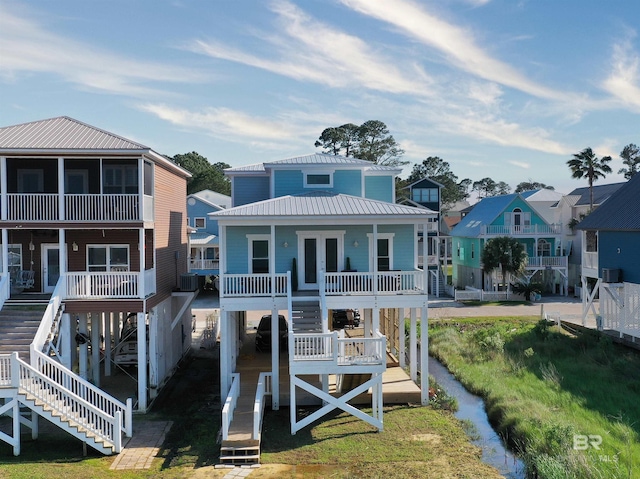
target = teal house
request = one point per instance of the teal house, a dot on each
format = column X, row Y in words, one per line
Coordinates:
column 521, row 216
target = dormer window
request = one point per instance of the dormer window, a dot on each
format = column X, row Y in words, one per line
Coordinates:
column 318, row 180
column 424, row 195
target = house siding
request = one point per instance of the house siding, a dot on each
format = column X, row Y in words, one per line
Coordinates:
column 237, row 247
column 291, row 182
column 170, row 231
column 201, row 210
column 525, row 207
column 379, row 188
column 250, row 189
column 627, row 259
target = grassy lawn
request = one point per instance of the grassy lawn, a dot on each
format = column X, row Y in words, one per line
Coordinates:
column 543, row 386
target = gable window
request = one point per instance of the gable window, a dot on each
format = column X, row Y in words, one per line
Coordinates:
column 385, row 251
column 199, row 222
column 108, row 257
column 318, row 179
column 425, row 195
column 258, row 253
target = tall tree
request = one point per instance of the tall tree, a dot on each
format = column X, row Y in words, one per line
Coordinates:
column 531, row 185
column 630, row 155
column 370, row 141
column 504, row 253
column 485, row 187
column 439, row 170
column 587, row 164
column 205, row 176
column 502, row 188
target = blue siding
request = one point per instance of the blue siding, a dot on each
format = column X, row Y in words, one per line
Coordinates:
column 348, row 182
column 291, row 182
column 250, row 189
column 201, row 210
column 379, row 188
column 627, row 259
column 237, row 247
column 525, row 207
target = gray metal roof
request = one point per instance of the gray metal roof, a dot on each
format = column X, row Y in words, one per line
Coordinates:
column 323, row 204
column 62, row 133
column 621, row 212
column 600, row 193
column 203, row 239
column 313, row 159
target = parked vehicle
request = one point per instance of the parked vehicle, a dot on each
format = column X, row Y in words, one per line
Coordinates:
column 346, row 318
column 263, row 333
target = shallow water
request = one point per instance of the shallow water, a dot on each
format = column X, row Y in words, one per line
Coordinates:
column 471, row 408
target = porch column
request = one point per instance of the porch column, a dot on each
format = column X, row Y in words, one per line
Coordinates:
column 63, row 255
column 66, row 333
column 153, row 353
column 275, row 357
column 107, row 344
column 374, row 251
column 424, row 354
column 95, row 348
column 84, row 347
column 142, row 362
column 436, row 246
column 375, row 321
column 222, row 265
column 3, row 198
column 141, row 241
column 5, row 240
column 141, row 189
column 425, row 256
column 401, row 341
column 272, row 264
column 226, row 343
column 61, row 212
column 413, row 347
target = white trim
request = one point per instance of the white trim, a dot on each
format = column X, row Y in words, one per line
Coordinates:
column 257, row 237
column 108, row 247
column 319, row 236
column 196, row 218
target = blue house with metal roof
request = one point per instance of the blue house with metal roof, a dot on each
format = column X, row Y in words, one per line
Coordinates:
column 204, row 252
column 307, row 236
column 611, row 260
column 517, row 215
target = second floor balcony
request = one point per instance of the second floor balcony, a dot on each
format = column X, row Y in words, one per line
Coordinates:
column 521, row 230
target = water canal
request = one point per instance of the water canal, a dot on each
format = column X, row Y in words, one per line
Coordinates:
column 471, row 408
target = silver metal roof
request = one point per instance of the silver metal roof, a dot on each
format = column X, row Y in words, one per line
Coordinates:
column 203, row 239
column 323, row 204
column 256, row 167
column 62, row 133
column 313, row 159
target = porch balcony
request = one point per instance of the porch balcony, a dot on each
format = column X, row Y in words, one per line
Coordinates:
column 521, row 230
column 550, row 262
column 204, row 264
column 109, row 208
column 110, row 285
column 332, row 352
column 590, row 266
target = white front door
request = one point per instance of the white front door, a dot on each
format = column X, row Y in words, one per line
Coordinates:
column 318, row 252
column 50, row 267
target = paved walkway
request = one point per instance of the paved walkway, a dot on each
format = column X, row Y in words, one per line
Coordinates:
column 144, row 446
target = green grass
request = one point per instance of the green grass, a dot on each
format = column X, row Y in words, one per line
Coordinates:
column 542, row 386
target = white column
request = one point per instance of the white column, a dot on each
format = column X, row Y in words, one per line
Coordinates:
column 374, row 251
column 275, row 359
column 272, row 261
column 61, row 212
column 413, row 347
column 425, row 256
column 66, row 334
column 95, row 348
column 84, row 348
column 141, row 249
column 142, row 362
column 424, row 355
column 375, row 320
column 5, row 246
column 107, row 344
column 401, row 341
column 153, row 354
column 222, row 230
column 3, row 193
column 226, row 343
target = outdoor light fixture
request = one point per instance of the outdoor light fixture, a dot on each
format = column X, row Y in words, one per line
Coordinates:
column 74, row 246
column 285, row 244
column 355, row 243
column 31, row 246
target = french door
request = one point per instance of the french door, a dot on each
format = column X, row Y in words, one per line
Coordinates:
column 318, row 252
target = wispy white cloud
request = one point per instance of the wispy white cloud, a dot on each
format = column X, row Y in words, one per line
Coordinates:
column 28, row 47
column 328, row 56
column 520, row 164
column 624, row 80
column 456, row 44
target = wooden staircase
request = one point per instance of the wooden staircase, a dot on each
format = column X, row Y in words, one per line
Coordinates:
column 18, row 325
column 306, row 316
column 348, row 382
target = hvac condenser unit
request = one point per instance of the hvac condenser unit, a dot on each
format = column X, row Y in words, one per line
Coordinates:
column 188, row 282
column 610, row 275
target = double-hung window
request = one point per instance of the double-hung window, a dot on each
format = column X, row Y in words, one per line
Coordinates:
column 385, row 251
column 258, row 253
column 108, row 257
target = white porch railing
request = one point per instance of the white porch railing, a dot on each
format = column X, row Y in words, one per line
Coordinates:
column 547, row 261
column 5, row 371
column 32, row 206
column 230, row 405
column 590, row 259
column 47, row 324
column 521, row 230
column 263, row 390
column 337, row 349
column 5, row 288
column 149, row 282
column 240, row 285
column 382, row 282
column 88, row 285
column 101, row 207
column 204, row 263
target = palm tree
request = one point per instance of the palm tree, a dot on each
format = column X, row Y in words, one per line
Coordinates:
column 587, row 164
column 505, row 253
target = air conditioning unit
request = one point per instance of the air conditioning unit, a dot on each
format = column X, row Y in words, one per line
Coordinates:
column 610, row 275
column 189, row 282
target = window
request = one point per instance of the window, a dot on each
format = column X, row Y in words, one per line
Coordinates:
column 76, row 182
column 108, row 258
column 199, row 222
column 592, row 241
column 30, row 181
column 425, row 195
column 473, row 250
column 258, row 253
column 314, row 180
column 544, row 248
column 120, row 179
column 148, row 178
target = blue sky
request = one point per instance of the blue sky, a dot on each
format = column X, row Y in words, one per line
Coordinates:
column 501, row 88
